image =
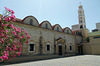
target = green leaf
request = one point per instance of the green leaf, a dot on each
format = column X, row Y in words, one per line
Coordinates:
column 11, row 40
column 23, row 39
column 0, row 15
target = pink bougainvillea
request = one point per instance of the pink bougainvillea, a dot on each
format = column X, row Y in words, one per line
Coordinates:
column 11, row 37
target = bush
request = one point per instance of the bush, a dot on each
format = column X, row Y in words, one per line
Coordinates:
column 11, row 38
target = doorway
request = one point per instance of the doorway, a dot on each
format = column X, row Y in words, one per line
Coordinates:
column 60, row 50
column 80, row 50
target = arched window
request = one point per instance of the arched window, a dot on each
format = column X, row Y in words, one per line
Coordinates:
column 57, row 28
column 81, row 26
column 31, row 47
column 31, row 22
column 80, row 21
column 67, row 31
column 48, row 47
column 70, row 47
column 46, row 26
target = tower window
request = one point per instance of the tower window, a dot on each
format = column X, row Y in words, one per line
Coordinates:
column 46, row 26
column 80, row 17
column 80, row 21
column 31, row 46
column 31, row 22
column 80, row 11
column 48, row 47
column 70, row 47
column 81, row 26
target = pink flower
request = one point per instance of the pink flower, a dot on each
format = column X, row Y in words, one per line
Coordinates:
column 14, row 45
column 0, row 57
column 5, row 24
column 12, row 16
column 23, row 36
column 9, row 18
column 10, row 49
column 12, row 11
column 7, row 9
column 17, row 35
column 19, row 28
column 19, row 49
column 14, row 56
column 6, row 19
column 4, row 57
column 14, row 41
column 29, row 37
column 6, row 30
column 0, row 19
column 15, row 29
column 3, row 34
column 14, row 32
column 8, row 44
column 26, row 41
column 18, row 53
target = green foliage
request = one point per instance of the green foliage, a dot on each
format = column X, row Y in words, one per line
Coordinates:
column 87, row 39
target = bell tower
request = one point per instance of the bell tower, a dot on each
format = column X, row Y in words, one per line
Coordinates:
column 81, row 26
column 82, row 23
column 81, row 17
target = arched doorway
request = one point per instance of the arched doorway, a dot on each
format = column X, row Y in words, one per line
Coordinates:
column 60, row 49
column 60, row 46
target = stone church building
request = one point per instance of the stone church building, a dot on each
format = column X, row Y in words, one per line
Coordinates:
column 47, row 39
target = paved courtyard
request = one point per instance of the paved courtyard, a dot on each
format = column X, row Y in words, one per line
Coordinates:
column 83, row 60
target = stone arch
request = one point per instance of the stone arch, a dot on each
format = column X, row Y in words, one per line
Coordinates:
column 60, row 46
column 67, row 30
column 57, row 27
column 46, row 24
column 31, row 20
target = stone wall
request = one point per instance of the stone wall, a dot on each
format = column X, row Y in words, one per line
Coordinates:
column 92, row 47
column 48, row 36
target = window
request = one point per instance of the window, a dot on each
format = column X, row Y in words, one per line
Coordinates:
column 70, row 47
column 67, row 31
column 80, row 11
column 31, row 22
column 48, row 47
column 80, row 17
column 80, row 21
column 31, row 47
column 81, row 26
column 46, row 26
column 57, row 28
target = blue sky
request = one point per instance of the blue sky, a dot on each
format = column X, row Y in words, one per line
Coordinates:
column 63, row 12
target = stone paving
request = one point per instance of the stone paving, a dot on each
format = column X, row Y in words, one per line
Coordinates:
column 83, row 60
